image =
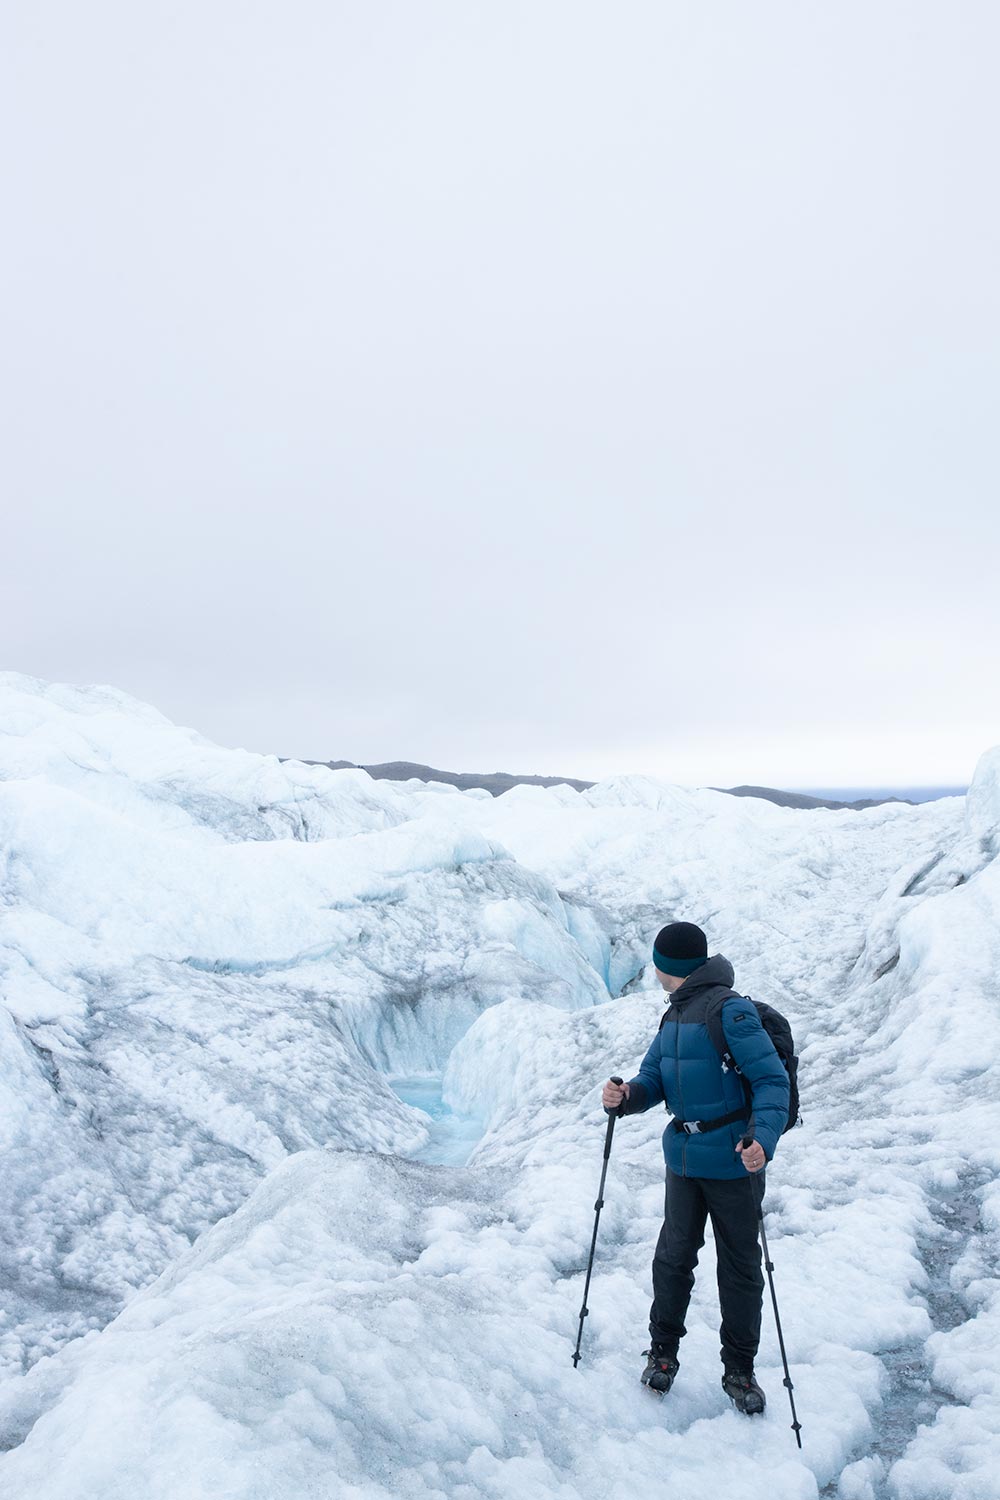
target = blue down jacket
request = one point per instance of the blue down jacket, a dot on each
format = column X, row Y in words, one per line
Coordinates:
column 683, row 1069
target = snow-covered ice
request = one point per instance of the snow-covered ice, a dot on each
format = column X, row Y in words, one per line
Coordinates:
column 254, row 1014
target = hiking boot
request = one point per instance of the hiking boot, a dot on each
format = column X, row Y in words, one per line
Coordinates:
column 661, row 1367
column 743, row 1391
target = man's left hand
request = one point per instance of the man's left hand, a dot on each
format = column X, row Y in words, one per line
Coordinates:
column 753, row 1156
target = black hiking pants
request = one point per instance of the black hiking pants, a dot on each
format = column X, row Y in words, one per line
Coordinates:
column 732, row 1204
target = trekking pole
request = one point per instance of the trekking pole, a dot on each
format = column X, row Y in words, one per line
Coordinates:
column 598, row 1206
column 787, row 1382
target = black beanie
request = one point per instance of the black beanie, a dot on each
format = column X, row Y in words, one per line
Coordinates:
column 679, row 949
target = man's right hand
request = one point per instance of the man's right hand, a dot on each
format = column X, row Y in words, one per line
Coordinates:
column 613, row 1094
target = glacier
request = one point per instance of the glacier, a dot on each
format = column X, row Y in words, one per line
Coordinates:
column 300, row 1127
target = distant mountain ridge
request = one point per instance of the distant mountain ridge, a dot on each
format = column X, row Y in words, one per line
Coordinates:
column 497, row 782
column 803, row 799
column 494, row 782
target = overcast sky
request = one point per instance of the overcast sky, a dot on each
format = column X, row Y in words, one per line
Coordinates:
column 550, row 387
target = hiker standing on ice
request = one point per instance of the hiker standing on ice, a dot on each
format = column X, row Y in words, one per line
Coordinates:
column 707, row 1168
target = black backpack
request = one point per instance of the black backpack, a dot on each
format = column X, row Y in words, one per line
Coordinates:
column 778, row 1029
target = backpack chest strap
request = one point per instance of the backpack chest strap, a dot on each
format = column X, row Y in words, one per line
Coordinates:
column 698, row 1127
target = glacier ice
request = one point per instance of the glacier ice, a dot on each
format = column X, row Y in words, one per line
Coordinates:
column 228, row 1271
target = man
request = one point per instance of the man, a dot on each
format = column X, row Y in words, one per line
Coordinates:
column 708, row 1171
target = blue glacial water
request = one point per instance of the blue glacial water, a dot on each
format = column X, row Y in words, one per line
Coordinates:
column 452, row 1136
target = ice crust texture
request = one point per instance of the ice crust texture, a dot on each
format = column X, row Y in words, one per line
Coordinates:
column 224, row 1275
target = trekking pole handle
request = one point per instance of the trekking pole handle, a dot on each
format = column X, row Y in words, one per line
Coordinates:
column 745, row 1144
column 621, row 1108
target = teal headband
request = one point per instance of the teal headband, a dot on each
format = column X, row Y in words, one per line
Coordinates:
column 678, row 967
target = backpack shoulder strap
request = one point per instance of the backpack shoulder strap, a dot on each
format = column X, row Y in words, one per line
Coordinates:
column 713, row 1020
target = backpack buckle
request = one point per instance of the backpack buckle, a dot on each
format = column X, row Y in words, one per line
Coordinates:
column 692, row 1127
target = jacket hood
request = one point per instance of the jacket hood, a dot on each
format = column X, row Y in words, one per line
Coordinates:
column 715, row 970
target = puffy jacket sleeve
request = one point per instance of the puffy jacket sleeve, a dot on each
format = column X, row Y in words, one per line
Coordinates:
column 754, row 1054
column 646, row 1088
